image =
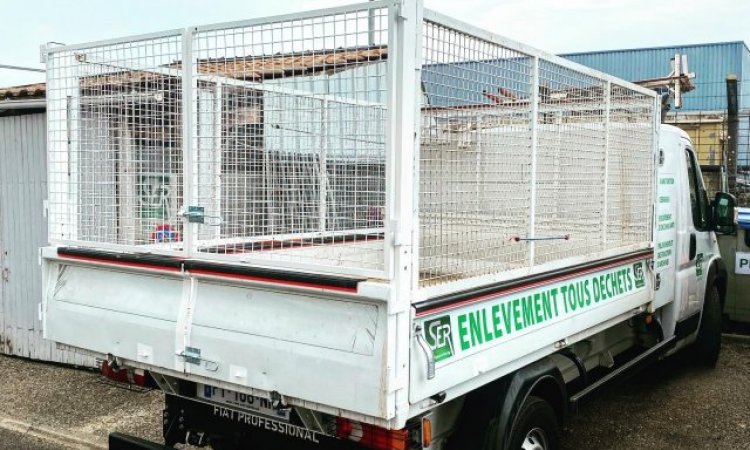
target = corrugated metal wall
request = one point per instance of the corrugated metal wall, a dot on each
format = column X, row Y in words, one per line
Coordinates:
column 711, row 63
column 745, row 78
column 23, row 229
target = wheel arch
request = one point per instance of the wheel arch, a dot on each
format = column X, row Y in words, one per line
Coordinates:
column 492, row 409
column 542, row 379
column 718, row 276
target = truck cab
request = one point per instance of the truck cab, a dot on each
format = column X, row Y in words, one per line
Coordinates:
column 687, row 261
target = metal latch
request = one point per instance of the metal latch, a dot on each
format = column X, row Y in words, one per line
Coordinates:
column 197, row 214
column 194, row 214
column 427, row 352
column 192, row 355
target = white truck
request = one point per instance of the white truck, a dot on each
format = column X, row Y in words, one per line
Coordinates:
column 368, row 227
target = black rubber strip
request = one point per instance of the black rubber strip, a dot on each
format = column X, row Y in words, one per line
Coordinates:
column 458, row 297
column 217, row 268
column 282, row 275
column 130, row 258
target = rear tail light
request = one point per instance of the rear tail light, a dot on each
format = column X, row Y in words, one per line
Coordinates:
column 130, row 376
column 372, row 437
column 426, row 432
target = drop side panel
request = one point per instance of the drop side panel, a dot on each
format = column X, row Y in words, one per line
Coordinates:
column 309, row 346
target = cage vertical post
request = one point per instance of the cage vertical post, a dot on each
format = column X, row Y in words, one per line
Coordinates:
column 405, row 19
column 534, row 156
column 401, row 138
column 323, row 168
column 186, row 105
column 607, row 119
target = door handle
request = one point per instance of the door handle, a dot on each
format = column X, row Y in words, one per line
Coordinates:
column 693, row 246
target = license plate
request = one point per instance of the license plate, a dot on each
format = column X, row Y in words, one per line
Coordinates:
column 247, row 402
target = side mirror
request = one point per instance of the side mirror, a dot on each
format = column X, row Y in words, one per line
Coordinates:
column 723, row 213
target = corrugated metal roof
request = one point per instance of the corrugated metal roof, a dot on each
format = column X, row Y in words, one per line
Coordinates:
column 711, row 63
column 662, row 47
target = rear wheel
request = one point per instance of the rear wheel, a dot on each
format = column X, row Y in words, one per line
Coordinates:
column 708, row 344
column 536, row 426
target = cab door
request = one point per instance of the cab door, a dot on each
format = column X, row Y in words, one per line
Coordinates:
column 695, row 246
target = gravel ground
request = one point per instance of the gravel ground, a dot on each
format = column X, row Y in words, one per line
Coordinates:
column 671, row 405
column 75, row 401
column 11, row 440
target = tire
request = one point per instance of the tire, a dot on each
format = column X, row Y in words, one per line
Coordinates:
column 708, row 344
column 535, row 427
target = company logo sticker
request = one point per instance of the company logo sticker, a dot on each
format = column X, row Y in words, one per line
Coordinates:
column 439, row 336
column 639, row 275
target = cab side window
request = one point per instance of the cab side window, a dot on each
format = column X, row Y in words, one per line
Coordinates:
column 698, row 197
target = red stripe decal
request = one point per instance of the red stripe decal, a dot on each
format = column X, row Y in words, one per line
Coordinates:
column 524, row 287
column 121, row 263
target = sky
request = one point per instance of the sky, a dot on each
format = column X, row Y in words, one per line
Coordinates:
column 557, row 26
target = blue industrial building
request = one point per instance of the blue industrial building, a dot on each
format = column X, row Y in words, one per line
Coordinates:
column 710, row 62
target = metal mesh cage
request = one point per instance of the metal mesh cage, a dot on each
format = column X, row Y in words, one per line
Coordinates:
column 115, row 147
column 280, row 157
column 525, row 159
column 265, row 142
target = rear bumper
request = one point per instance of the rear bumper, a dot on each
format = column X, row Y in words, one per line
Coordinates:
column 237, row 429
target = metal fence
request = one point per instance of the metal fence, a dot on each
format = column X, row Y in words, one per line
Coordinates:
column 277, row 141
column 719, row 157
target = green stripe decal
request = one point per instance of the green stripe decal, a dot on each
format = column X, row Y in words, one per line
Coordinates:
column 473, row 327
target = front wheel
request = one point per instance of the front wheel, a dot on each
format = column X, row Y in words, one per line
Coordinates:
column 536, row 427
column 708, row 344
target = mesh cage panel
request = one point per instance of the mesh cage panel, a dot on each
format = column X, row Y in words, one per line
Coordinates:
column 290, row 155
column 629, row 172
column 115, row 146
column 281, row 156
column 475, row 158
column 571, row 162
column 525, row 161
